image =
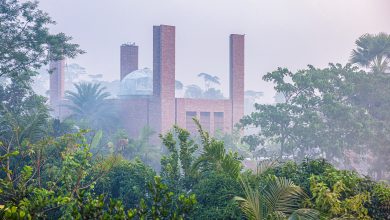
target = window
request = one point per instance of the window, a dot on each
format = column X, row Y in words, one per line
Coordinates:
column 205, row 120
column 190, row 124
column 218, row 121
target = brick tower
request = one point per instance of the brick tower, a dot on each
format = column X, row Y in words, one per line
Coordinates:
column 129, row 59
column 164, row 75
column 57, row 69
column 237, row 44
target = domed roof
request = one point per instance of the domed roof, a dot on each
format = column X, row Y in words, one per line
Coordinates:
column 138, row 82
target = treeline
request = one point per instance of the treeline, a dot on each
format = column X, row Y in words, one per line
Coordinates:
column 59, row 178
column 339, row 112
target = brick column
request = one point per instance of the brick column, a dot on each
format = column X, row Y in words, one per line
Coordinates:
column 237, row 62
column 164, row 74
column 129, row 59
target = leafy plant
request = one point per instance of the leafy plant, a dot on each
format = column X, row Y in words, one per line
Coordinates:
column 278, row 198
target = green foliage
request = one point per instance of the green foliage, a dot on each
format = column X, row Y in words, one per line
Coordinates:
column 373, row 52
column 276, row 198
column 23, row 115
column 337, row 193
column 331, row 205
column 48, row 170
column 52, row 173
column 60, row 128
column 337, row 112
column 215, row 192
column 214, row 157
column 177, row 167
column 212, row 175
column 379, row 207
column 127, row 181
column 232, row 142
column 25, row 41
column 142, row 148
column 90, row 108
column 163, row 205
column 333, row 113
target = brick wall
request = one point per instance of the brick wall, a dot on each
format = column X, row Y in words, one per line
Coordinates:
column 184, row 105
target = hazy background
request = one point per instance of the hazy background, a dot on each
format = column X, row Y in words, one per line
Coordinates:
column 283, row 33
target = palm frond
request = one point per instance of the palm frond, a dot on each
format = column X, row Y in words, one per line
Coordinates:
column 265, row 165
column 277, row 199
column 251, row 205
column 283, row 195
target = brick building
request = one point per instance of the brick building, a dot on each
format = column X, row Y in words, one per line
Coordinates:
column 160, row 110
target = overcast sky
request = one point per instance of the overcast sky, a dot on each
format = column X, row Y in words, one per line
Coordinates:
column 285, row 33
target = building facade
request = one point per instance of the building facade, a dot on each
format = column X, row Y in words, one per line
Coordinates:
column 160, row 110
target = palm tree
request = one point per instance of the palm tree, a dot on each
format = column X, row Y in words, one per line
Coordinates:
column 209, row 79
column 60, row 128
column 89, row 106
column 20, row 130
column 373, row 52
column 279, row 198
column 31, row 124
column 214, row 156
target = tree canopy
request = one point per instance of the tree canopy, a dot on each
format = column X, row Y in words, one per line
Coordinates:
column 25, row 41
column 373, row 52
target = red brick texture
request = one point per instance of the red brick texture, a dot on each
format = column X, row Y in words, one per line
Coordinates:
column 237, row 63
column 184, row 105
column 128, row 59
column 164, row 74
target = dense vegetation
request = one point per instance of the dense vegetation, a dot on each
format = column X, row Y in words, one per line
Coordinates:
column 339, row 113
column 85, row 167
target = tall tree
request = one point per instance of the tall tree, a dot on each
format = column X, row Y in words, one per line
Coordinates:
column 373, row 52
column 25, row 41
column 89, row 106
column 25, row 45
column 209, row 79
column 317, row 115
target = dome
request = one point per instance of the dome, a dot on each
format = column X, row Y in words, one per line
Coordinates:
column 138, row 82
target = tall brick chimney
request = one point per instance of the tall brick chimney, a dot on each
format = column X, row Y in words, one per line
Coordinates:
column 57, row 78
column 164, row 73
column 237, row 62
column 129, row 59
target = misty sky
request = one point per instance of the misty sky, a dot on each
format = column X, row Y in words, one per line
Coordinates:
column 286, row 33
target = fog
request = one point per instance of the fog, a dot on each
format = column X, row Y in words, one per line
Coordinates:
column 278, row 33
column 303, row 134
